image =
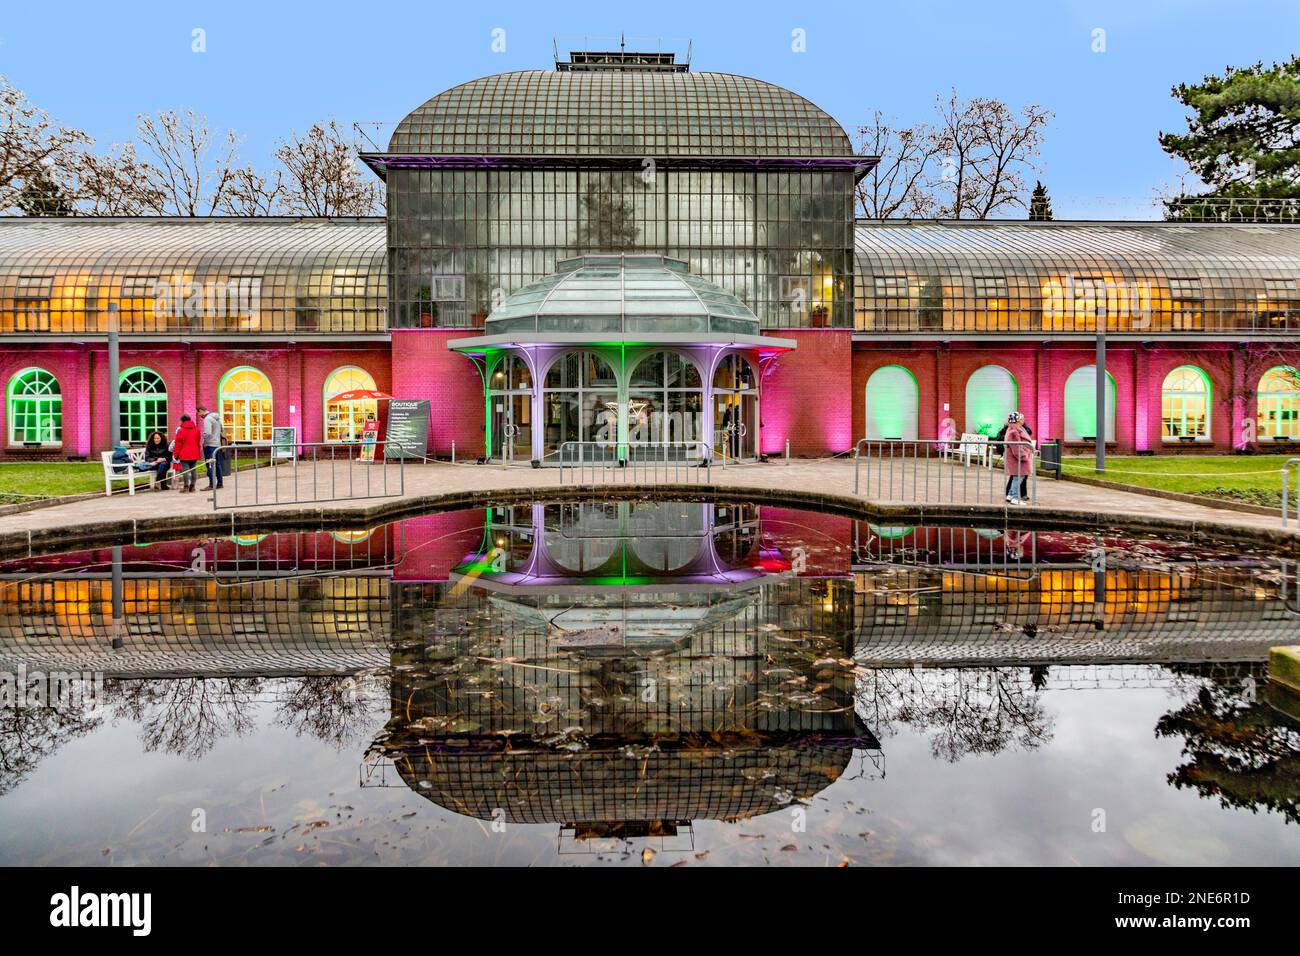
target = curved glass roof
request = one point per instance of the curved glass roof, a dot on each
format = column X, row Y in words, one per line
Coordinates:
column 1012, row 276
column 622, row 293
column 538, row 112
column 289, row 275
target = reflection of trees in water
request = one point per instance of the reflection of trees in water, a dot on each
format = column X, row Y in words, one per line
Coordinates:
column 964, row 710
column 187, row 716
column 338, row 710
column 30, row 734
column 1238, row 749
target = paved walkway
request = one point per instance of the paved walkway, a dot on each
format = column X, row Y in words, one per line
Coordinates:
column 825, row 477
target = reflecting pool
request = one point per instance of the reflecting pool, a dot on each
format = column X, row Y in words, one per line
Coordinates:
column 648, row 683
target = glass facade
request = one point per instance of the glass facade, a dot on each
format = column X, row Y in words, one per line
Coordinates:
column 1062, row 277
column 463, row 240
column 209, row 276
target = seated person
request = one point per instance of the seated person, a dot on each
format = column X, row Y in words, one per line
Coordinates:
column 159, row 457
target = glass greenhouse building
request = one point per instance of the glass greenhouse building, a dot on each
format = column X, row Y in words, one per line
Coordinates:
column 623, row 250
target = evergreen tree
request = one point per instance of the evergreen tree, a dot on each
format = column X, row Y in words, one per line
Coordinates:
column 1040, row 204
column 41, row 195
column 1243, row 137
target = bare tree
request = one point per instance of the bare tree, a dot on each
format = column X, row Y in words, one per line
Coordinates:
column 31, row 144
column 191, row 168
column 323, row 176
column 896, row 188
column 252, row 194
column 987, row 149
column 118, row 183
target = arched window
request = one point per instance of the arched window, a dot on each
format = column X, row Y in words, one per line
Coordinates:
column 892, row 400
column 579, row 401
column 1081, row 405
column 143, row 397
column 346, row 421
column 245, row 396
column 991, row 395
column 35, row 409
column 665, row 400
column 1185, row 405
column 1279, row 403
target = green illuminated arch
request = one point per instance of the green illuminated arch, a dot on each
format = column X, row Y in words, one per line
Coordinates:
column 893, row 397
column 143, row 397
column 34, row 408
column 1081, row 404
column 991, row 395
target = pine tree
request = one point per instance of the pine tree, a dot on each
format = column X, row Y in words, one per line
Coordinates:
column 1040, row 204
column 43, row 196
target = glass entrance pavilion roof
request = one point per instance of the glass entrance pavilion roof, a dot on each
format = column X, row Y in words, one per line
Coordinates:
column 622, row 293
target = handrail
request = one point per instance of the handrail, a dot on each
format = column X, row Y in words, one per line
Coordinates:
column 633, row 462
column 302, row 473
column 1286, row 493
column 906, row 470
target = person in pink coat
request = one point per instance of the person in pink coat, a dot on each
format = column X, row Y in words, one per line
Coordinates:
column 1018, row 459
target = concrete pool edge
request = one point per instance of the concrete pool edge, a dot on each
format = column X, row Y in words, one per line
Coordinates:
column 129, row 531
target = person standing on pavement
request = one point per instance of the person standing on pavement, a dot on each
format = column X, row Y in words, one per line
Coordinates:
column 213, row 438
column 187, row 448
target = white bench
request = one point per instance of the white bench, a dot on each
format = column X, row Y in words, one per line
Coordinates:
column 971, row 446
column 129, row 474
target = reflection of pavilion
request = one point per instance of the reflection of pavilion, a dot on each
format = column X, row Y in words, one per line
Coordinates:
column 618, row 575
column 732, row 697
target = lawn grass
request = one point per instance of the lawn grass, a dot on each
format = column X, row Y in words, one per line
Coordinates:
column 1214, row 476
column 23, row 481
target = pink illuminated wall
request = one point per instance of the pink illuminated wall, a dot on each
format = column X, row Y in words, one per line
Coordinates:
column 806, row 395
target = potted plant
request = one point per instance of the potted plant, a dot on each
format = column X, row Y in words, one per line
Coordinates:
column 819, row 316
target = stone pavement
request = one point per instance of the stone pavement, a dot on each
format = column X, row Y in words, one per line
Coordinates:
column 829, row 478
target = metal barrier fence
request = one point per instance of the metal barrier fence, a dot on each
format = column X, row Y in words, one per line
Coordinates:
column 1287, row 466
column 308, row 473
column 635, row 462
column 940, row 472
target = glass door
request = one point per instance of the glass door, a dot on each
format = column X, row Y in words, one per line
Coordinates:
column 512, row 426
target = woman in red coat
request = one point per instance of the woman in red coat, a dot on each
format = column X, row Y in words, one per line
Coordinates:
column 187, row 448
column 1018, row 459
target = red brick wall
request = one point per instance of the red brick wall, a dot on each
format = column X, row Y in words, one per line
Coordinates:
column 805, row 396
column 423, row 367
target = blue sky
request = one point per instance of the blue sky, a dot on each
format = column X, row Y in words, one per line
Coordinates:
column 273, row 66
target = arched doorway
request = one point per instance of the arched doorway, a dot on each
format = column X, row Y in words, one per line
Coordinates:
column 1185, row 405
column 346, row 421
column 665, row 403
column 246, row 405
column 735, row 408
column 510, row 410
column 1278, row 404
column 579, row 403
column 893, row 398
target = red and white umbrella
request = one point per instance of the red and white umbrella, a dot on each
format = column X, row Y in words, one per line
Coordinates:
column 360, row 394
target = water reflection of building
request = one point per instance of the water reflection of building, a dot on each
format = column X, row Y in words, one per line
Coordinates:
column 953, row 596
column 298, row 603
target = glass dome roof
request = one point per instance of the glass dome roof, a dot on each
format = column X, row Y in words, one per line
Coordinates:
column 622, row 293
column 540, row 113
